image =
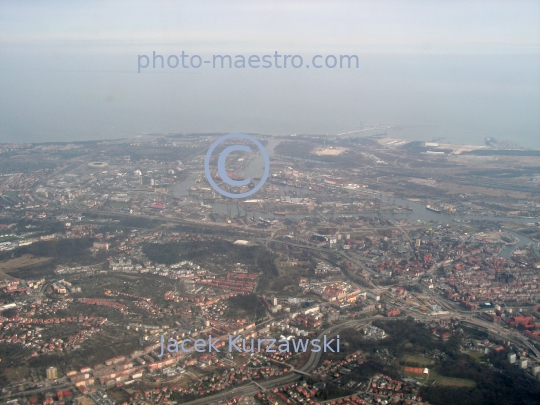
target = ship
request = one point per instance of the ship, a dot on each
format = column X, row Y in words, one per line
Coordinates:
column 280, row 213
column 434, row 209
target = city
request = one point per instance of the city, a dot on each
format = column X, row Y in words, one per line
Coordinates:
column 283, row 202
column 111, row 245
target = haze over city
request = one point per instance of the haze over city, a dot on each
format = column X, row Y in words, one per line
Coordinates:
column 69, row 69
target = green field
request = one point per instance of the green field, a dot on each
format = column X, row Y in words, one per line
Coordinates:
column 413, row 360
column 8, row 238
column 450, row 381
column 476, row 355
column 442, row 380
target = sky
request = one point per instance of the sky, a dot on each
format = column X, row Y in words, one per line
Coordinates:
column 459, row 69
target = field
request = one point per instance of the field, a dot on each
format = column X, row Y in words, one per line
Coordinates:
column 450, row 381
column 17, row 373
column 476, row 355
column 118, row 395
column 442, row 380
column 8, row 238
column 421, row 361
column 20, row 262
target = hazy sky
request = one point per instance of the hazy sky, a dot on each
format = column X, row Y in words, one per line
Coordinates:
column 68, row 69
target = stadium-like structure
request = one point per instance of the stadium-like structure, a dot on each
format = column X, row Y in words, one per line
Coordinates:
column 98, row 165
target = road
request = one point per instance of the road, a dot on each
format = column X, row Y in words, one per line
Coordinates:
column 313, row 361
column 46, row 388
column 496, row 329
column 322, row 250
column 314, row 358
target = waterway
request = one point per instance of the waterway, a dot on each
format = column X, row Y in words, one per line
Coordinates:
column 182, row 189
column 523, row 240
column 420, row 213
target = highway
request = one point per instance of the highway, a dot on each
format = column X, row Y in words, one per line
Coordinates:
column 322, row 250
column 314, row 358
column 312, row 363
column 496, row 329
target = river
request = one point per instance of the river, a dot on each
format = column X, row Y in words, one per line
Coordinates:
column 420, row 213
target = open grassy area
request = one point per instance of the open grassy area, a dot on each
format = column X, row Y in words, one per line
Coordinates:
column 17, row 373
column 450, row 381
column 19, row 263
column 118, row 394
column 8, row 238
column 475, row 354
column 441, row 380
column 421, row 361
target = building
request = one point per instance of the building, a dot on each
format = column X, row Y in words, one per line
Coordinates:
column 59, row 288
column 241, row 242
column 523, row 363
column 373, row 296
column 511, row 358
column 393, row 313
column 52, row 373
column 101, row 245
